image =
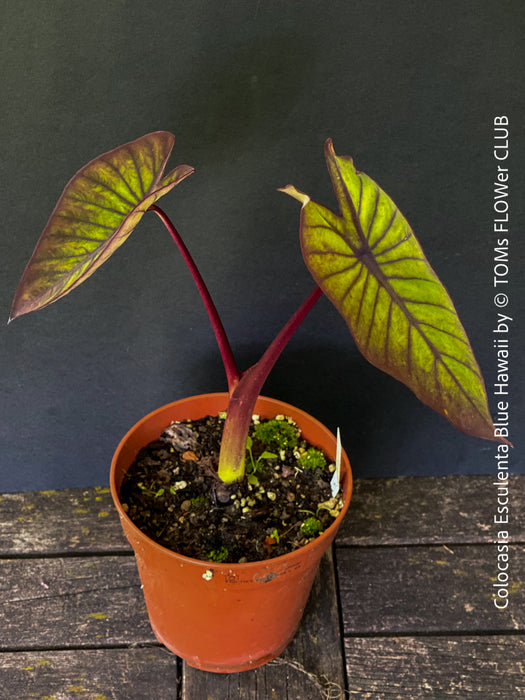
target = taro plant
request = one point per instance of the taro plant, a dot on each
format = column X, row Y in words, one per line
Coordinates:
column 365, row 258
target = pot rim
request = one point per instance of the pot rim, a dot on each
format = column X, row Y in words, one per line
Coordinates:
column 346, row 481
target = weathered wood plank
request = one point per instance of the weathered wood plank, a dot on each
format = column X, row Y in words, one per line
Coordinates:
column 310, row 667
column 100, row 674
column 427, row 510
column 74, row 601
column 405, row 590
column 484, row 667
column 58, row 522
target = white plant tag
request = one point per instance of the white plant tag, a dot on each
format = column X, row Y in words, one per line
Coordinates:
column 336, row 479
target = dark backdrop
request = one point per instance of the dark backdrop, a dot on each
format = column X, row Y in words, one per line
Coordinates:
column 251, row 90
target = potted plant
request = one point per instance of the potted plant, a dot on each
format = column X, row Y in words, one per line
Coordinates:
column 368, row 262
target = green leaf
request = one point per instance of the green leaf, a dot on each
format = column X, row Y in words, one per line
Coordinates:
column 99, row 208
column 370, row 265
column 267, row 455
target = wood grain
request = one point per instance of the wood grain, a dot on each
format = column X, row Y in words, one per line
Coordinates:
column 484, row 667
column 428, row 589
column 71, row 602
column 430, row 510
column 95, row 674
column 60, row 522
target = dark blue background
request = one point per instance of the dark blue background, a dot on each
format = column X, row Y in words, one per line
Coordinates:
column 251, row 90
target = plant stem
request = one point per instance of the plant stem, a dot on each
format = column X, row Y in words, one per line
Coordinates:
column 228, row 360
column 244, row 389
column 243, row 398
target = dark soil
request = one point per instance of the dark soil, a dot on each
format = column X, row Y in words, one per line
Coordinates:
column 173, row 494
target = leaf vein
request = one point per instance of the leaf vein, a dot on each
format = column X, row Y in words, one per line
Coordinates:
column 388, row 324
column 394, row 245
column 363, row 294
column 101, row 183
column 78, row 220
column 91, row 203
column 331, row 252
column 438, row 358
column 422, row 302
column 458, row 383
column 121, row 176
column 352, row 285
column 387, row 229
column 139, row 174
column 341, row 235
column 409, row 350
column 372, row 218
column 442, row 330
column 461, row 362
column 372, row 320
column 350, row 204
column 397, row 260
column 411, row 279
column 339, row 272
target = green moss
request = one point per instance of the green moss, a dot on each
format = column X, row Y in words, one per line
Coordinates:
column 218, row 555
column 277, row 434
column 311, row 527
column 198, row 501
column 312, row 459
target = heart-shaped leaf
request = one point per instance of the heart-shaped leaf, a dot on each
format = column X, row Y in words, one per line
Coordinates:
column 99, row 208
column 370, row 265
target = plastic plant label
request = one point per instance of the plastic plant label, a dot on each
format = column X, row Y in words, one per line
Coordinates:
column 336, row 479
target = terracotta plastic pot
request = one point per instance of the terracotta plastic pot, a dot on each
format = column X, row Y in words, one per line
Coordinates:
column 223, row 617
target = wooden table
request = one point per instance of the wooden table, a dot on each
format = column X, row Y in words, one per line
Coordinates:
column 402, row 608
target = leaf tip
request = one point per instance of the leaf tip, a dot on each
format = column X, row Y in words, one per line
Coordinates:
column 14, row 312
column 331, row 156
column 503, row 440
column 329, row 148
column 19, row 308
column 296, row 194
column 177, row 175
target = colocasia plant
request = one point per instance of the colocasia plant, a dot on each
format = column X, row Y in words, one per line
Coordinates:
column 365, row 258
